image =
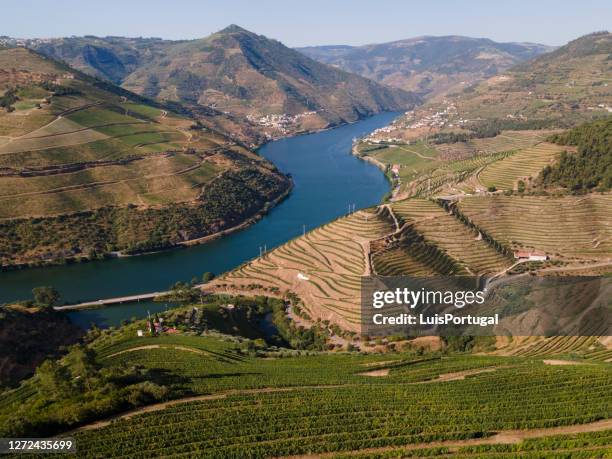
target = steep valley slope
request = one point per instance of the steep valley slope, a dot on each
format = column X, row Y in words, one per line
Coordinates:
column 88, row 168
column 235, row 72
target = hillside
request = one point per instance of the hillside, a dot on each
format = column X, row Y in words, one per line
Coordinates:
column 215, row 395
column 427, row 65
column 459, row 208
column 233, row 71
column 569, row 85
column 591, row 167
column 557, row 90
column 28, row 336
column 88, row 168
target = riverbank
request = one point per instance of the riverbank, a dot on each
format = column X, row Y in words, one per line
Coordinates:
column 70, row 256
column 395, row 183
column 326, row 178
column 80, row 257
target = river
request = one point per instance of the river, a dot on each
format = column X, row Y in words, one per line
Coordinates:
column 327, row 180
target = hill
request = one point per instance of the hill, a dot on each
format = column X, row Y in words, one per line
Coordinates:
column 557, row 90
column 427, row 65
column 568, row 85
column 87, row 168
column 233, row 71
column 182, row 393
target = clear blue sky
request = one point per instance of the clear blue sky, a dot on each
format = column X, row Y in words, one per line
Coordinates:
column 311, row 22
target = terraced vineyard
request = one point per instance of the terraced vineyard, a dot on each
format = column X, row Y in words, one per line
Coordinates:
column 475, row 165
column 505, row 141
column 322, row 267
column 283, row 423
column 299, row 405
column 567, row 228
column 590, row 348
column 403, row 261
column 86, row 148
column 509, row 141
column 582, row 445
column 81, row 158
column 523, row 165
column 471, row 254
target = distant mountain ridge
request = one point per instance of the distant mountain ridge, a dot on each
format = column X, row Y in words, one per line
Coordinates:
column 234, row 71
column 557, row 90
column 429, row 65
column 567, row 86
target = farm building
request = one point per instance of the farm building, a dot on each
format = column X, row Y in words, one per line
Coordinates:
column 396, row 169
column 531, row 255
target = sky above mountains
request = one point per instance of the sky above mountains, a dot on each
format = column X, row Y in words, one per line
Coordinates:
column 312, row 22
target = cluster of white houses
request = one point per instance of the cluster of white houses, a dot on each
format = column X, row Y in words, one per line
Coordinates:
column 281, row 121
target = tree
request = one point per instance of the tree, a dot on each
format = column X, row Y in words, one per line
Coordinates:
column 46, row 296
column 207, row 277
column 81, row 362
column 53, row 380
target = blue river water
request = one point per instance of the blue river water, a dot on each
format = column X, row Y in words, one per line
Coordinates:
column 327, row 180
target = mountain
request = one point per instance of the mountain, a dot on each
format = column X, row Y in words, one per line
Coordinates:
column 427, row 65
column 233, row 71
column 566, row 86
column 560, row 89
column 88, row 168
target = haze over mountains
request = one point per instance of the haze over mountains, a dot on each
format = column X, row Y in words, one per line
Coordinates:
column 427, row 65
column 234, row 71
